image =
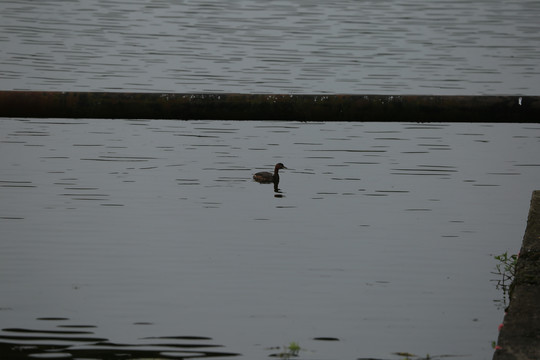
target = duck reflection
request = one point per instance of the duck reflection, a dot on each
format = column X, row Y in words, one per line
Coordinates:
column 277, row 191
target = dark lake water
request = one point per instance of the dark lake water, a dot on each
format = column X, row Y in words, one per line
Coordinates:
column 132, row 236
column 149, row 239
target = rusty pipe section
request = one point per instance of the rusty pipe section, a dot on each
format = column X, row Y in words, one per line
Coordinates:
column 228, row 106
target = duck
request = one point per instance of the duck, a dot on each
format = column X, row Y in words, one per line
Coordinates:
column 265, row 177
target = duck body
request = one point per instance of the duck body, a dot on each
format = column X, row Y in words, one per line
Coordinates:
column 265, row 177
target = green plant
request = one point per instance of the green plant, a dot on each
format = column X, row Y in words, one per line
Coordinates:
column 289, row 351
column 506, row 269
column 294, row 348
column 506, row 266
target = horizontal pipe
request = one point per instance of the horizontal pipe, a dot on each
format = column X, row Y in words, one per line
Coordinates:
column 226, row 106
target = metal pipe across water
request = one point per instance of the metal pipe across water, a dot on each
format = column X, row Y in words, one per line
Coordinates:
column 230, row 106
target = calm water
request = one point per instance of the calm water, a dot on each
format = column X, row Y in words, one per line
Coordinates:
column 152, row 234
column 313, row 46
column 149, row 239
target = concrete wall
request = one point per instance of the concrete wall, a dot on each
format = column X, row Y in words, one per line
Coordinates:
column 519, row 338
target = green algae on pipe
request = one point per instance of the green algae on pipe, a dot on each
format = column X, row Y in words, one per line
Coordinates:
column 227, row 106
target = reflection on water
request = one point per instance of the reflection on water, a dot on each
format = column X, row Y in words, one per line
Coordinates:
column 68, row 341
column 382, row 236
column 277, row 190
column 257, row 46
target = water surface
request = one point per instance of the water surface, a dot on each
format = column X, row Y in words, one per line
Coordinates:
column 149, row 238
column 152, row 234
column 253, row 46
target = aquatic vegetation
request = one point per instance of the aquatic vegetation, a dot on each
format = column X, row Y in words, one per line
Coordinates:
column 506, row 266
column 506, row 270
column 292, row 350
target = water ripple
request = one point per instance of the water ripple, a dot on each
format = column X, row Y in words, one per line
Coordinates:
column 78, row 343
column 441, row 47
